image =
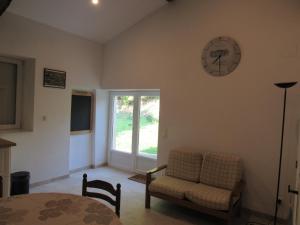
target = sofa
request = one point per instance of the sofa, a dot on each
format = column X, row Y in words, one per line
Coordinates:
column 207, row 182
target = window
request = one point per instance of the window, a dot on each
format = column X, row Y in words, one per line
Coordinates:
column 135, row 122
column 123, row 123
column 148, row 125
column 10, row 93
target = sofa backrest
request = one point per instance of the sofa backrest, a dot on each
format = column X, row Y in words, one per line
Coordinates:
column 185, row 164
column 221, row 170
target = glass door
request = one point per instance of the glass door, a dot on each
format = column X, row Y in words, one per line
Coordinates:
column 134, row 122
column 122, row 123
column 148, row 125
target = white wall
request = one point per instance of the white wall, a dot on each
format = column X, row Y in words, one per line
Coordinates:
column 45, row 151
column 81, row 149
column 101, row 126
column 240, row 113
column 89, row 150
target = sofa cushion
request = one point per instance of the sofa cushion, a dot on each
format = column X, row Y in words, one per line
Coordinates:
column 209, row 197
column 221, row 170
column 170, row 186
column 185, row 165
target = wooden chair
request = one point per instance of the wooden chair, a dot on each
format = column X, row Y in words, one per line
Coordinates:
column 103, row 185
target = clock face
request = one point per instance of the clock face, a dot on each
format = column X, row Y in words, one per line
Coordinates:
column 221, row 56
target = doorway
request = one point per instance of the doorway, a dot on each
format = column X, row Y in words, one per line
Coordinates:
column 133, row 130
column 296, row 208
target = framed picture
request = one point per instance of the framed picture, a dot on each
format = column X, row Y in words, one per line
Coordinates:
column 54, row 78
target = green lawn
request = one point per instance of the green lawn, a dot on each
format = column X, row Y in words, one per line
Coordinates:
column 124, row 121
column 151, row 150
column 148, row 128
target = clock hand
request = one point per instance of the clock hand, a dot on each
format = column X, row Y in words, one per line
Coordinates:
column 218, row 58
column 220, row 65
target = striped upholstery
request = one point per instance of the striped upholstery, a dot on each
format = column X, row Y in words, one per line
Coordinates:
column 185, row 165
column 170, row 186
column 209, row 197
column 221, row 170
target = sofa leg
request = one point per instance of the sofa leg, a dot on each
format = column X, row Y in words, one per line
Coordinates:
column 229, row 221
column 147, row 193
column 239, row 207
column 239, row 211
column 147, row 201
column 230, row 218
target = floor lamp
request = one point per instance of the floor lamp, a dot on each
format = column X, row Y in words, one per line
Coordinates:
column 284, row 86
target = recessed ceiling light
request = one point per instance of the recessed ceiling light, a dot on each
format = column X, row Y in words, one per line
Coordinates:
column 95, row 2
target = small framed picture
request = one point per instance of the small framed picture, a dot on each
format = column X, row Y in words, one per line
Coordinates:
column 54, row 78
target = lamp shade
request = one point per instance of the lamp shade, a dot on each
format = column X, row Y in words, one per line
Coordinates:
column 285, row 85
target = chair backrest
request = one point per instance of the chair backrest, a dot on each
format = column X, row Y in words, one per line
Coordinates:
column 185, row 163
column 103, row 185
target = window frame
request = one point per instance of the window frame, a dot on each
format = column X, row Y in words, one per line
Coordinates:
column 17, row 124
column 112, row 118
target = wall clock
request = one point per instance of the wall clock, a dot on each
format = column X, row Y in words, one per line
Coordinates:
column 221, row 56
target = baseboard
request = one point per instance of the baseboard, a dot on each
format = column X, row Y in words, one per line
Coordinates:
column 140, row 172
column 291, row 217
column 68, row 175
column 263, row 215
column 122, row 169
column 81, row 169
column 88, row 167
column 99, row 165
column 33, row 185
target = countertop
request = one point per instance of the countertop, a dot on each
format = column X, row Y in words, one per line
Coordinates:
column 6, row 143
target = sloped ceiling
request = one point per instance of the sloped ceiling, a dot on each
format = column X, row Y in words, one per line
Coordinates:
column 95, row 22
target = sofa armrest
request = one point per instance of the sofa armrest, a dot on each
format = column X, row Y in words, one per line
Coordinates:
column 148, row 182
column 150, row 172
column 237, row 195
column 155, row 170
column 238, row 188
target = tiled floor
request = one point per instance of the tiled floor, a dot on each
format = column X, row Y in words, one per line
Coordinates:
column 132, row 201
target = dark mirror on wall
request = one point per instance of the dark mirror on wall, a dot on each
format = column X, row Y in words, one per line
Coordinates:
column 4, row 5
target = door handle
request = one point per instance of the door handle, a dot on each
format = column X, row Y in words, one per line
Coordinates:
column 293, row 191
